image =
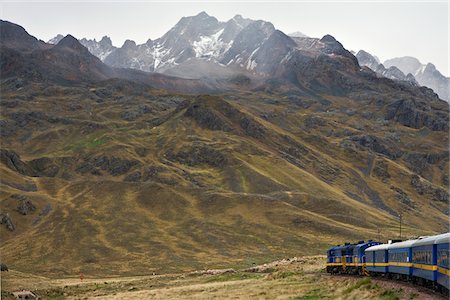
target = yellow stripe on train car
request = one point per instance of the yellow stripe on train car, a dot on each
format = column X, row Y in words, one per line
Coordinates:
column 425, row 267
column 333, row 264
column 380, row 264
column 400, row 264
column 443, row 271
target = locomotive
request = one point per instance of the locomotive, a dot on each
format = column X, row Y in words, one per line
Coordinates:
column 423, row 261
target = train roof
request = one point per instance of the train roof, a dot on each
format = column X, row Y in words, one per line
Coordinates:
column 367, row 243
column 335, row 248
column 378, row 247
column 430, row 240
column 405, row 244
column 443, row 238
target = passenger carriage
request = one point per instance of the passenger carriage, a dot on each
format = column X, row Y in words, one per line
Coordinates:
column 424, row 260
column 442, row 250
column 377, row 259
column 400, row 259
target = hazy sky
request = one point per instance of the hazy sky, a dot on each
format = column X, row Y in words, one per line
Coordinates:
column 386, row 29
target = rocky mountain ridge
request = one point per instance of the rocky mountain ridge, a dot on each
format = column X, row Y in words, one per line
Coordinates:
column 416, row 72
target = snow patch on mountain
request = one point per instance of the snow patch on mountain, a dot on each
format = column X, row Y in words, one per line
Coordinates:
column 210, row 46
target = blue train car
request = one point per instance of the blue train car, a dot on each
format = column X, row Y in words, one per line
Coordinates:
column 424, row 259
column 377, row 259
column 442, row 250
column 400, row 259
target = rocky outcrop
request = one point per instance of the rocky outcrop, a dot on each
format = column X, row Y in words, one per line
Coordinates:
column 113, row 165
column 417, row 115
column 381, row 170
column 418, row 162
column 252, row 128
column 7, row 221
column 133, row 114
column 378, row 145
column 45, row 167
column 198, row 154
column 24, row 206
column 133, row 177
column 402, row 197
column 12, row 160
column 425, row 188
column 207, row 117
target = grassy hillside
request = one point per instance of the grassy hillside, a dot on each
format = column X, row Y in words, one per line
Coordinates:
column 129, row 180
column 295, row 278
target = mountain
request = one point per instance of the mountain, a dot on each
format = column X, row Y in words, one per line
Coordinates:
column 112, row 171
column 69, row 62
column 429, row 76
column 56, row 39
column 297, row 34
column 416, row 72
column 239, row 45
column 392, row 72
column 406, row 64
column 367, row 59
column 16, row 37
column 426, row 75
column 100, row 49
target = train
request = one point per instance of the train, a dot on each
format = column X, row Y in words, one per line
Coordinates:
column 423, row 261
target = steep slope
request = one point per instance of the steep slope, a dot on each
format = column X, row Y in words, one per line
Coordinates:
column 191, row 180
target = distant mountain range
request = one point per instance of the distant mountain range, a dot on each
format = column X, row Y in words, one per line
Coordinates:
column 201, row 46
column 408, row 69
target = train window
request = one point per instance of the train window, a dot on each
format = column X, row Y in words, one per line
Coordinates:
column 442, row 258
column 398, row 256
column 422, row 257
column 379, row 256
